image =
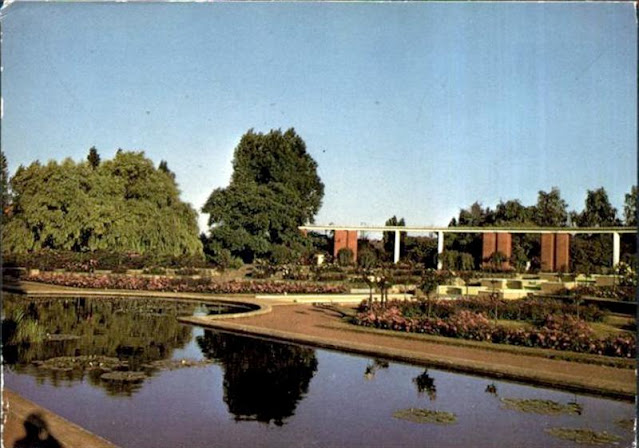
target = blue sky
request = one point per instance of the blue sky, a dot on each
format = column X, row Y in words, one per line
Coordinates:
column 410, row 109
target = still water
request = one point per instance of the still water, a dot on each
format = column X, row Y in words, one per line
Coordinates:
column 250, row 392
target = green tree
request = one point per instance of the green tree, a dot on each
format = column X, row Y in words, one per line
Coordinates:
column 587, row 250
column 598, row 211
column 512, row 212
column 551, row 209
column 345, row 257
column 93, row 157
column 273, row 190
column 389, row 237
column 630, row 207
column 123, row 205
column 4, row 184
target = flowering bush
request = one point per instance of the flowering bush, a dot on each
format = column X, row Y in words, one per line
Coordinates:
column 533, row 310
column 625, row 293
column 558, row 332
column 163, row 283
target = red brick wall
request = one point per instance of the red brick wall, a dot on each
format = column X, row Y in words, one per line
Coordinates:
column 345, row 239
column 489, row 245
column 340, row 241
column 352, row 243
column 548, row 252
column 562, row 251
column 505, row 246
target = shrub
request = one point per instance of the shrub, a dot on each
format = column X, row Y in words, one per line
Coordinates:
column 345, row 257
column 558, row 332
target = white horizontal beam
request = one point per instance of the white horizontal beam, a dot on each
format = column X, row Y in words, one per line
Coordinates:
column 570, row 230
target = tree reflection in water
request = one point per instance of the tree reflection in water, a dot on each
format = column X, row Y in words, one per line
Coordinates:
column 263, row 381
column 425, row 384
column 136, row 331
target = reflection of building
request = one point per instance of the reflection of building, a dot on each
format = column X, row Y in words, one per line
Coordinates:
column 555, row 241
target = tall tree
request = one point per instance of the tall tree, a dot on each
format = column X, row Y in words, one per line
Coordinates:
column 93, row 157
column 551, row 209
column 598, row 211
column 630, row 207
column 274, row 189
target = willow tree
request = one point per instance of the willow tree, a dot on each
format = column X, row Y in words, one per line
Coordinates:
column 121, row 205
column 273, row 190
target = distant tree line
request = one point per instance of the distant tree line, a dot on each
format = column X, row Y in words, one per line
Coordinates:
column 127, row 205
column 588, row 253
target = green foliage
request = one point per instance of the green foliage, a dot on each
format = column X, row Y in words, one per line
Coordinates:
column 164, row 167
column 389, row 237
column 551, row 209
column 630, row 207
column 124, row 205
column 591, row 254
column 93, row 158
column 4, row 185
column 366, row 259
column 598, row 211
column 345, row 257
column 421, row 250
column 274, row 189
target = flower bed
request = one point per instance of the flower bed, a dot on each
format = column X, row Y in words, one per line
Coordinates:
column 163, row 283
column 555, row 332
column 625, row 293
column 533, row 310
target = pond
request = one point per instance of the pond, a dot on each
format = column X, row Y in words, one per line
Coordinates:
column 202, row 388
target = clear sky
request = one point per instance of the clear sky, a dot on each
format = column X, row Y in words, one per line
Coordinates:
column 409, row 109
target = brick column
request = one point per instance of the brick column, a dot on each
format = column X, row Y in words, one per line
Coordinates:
column 352, row 242
column 340, row 241
column 345, row 239
column 548, row 252
column 489, row 245
column 505, row 246
column 562, row 252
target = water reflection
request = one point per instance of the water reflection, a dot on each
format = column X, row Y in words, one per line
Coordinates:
column 263, row 381
column 373, row 367
column 425, row 384
column 81, row 333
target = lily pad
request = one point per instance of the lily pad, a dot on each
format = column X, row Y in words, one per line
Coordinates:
column 584, row 436
column 172, row 364
column 130, row 377
column 426, row 416
column 88, row 362
column 546, row 407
